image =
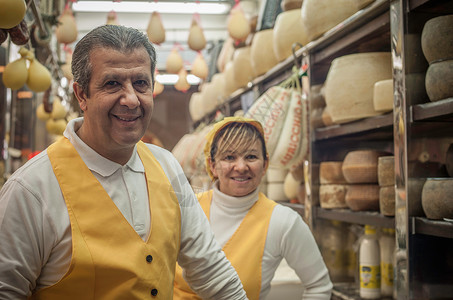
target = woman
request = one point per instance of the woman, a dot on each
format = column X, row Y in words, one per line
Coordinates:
column 255, row 233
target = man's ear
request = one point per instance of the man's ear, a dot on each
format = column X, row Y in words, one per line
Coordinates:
column 80, row 95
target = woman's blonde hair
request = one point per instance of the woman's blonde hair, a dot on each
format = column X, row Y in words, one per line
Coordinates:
column 236, row 136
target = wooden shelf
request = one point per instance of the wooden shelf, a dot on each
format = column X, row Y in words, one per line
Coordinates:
column 432, row 227
column 360, row 126
column 364, row 217
column 441, row 110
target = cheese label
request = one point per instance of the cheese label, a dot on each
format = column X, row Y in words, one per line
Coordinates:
column 370, row 276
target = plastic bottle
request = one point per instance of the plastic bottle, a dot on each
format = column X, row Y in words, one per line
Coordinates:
column 370, row 267
column 387, row 246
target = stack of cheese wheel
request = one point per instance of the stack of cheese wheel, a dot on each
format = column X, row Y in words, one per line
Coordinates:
column 321, row 15
column 437, row 46
column 262, row 52
column 360, row 169
column 275, row 184
column 333, row 185
column 386, row 180
column 349, row 86
column 288, row 29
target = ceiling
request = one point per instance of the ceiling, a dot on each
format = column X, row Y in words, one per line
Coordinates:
column 176, row 27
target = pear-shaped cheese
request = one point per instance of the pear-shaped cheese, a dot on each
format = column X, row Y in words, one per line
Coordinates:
column 12, row 12
column 238, row 26
column 174, row 62
column 39, row 78
column 182, row 84
column 15, row 74
column 196, row 40
column 155, row 30
column 199, row 67
column 66, row 31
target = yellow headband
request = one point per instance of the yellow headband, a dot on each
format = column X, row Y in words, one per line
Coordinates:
column 215, row 130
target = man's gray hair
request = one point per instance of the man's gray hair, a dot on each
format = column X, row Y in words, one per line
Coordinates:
column 116, row 37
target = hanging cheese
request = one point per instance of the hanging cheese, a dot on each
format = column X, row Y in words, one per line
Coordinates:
column 383, row 95
column 196, row 40
column 16, row 73
column 288, row 29
column 41, row 114
column 155, row 29
column 321, row 15
column 182, row 84
column 56, row 126
column 363, row 197
column 12, row 13
column 350, row 84
column 387, row 200
column 39, row 78
column 238, row 26
column 112, row 18
column 174, row 62
column 360, row 166
column 332, row 196
column 330, row 172
column 66, row 31
column 242, row 66
column 262, row 52
column 199, row 67
column 158, row 88
column 386, row 171
column 58, row 110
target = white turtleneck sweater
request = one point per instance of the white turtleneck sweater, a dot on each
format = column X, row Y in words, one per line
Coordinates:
column 288, row 237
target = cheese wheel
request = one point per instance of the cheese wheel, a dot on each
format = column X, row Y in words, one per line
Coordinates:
column 360, row 166
column 383, row 95
column 276, row 175
column 262, row 52
column 363, row 197
column 387, row 200
column 386, row 171
column 436, row 198
column 275, row 191
column 332, row 195
column 330, row 172
column 243, row 72
column 288, row 29
column 350, row 84
column 291, row 186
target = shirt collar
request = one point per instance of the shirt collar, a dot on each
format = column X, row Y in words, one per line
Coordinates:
column 94, row 161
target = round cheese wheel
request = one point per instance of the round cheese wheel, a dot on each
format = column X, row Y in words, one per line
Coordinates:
column 262, row 52
column 383, row 95
column 276, row 175
column 243, row 72
column 436, row 198
column 363, row 197
column 275, row 191
column 288, row 29
column 333, row 195
column 386, row 171
column 387, row 200
column 360, row 166
column 349, row 86
column 330, row 172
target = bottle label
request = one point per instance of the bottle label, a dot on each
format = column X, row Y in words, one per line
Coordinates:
column 370, row 277
column 387, row 274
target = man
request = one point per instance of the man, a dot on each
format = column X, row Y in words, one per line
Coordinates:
column 99, row 214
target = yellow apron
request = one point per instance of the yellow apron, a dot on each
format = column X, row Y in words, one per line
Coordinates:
column 109, row 259
column 244, row 250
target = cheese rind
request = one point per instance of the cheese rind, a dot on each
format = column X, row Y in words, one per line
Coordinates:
column 360, row 166
column 332, row 195
column 330, row 172
column 387, row 200
column 363, row 197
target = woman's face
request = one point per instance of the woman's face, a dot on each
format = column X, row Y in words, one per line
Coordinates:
column 240, row 171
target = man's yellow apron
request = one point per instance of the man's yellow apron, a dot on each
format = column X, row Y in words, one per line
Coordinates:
column 109, row 259
column 244, row 250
